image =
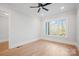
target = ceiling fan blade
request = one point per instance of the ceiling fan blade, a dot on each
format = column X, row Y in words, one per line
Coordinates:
column 47, row 4
column 45, row 9
column 39, row 10
column 34, row 7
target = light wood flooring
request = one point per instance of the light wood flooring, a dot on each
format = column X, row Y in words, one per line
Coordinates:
column 42, row 48
column 3, row 46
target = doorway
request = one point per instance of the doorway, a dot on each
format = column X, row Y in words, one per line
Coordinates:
column 4, row 31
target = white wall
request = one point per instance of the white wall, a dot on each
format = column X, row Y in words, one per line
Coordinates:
column 78, row 27
column 22, row 29
column 25, row 29
column 70, row 37
column 3, row 28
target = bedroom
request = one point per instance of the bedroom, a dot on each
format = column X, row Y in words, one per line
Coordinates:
column 29, row 28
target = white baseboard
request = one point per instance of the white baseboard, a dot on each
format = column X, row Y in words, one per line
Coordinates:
column 3, row 40
column 23, row 43
column 61, row 41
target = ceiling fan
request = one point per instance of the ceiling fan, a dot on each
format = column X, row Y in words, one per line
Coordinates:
column 41, row 6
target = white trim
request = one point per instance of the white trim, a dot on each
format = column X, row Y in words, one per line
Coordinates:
column 3, row 41
column 23, row 43
column 72, row 43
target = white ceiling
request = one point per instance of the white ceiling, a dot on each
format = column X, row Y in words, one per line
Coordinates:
column 53, row 8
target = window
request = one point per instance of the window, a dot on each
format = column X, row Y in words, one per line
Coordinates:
column 56, row 27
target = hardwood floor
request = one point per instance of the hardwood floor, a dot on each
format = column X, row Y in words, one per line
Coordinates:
column 42, row 48
column 3, row 46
